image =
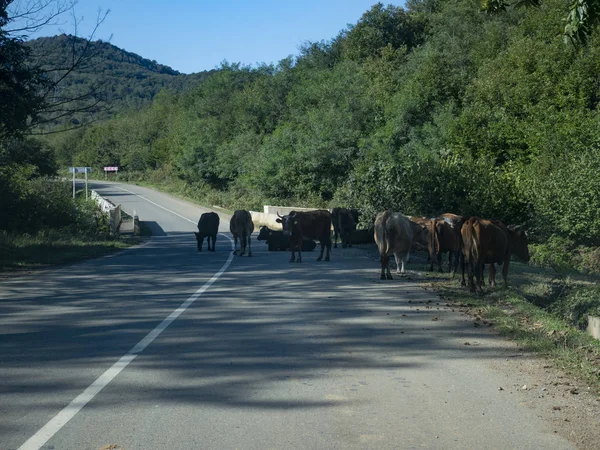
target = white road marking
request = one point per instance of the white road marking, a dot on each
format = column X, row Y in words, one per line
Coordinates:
column 62, row 418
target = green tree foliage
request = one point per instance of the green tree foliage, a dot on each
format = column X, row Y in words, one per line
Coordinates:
column 433, row 108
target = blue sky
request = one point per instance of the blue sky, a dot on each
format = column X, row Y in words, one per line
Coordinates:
column 191, row 36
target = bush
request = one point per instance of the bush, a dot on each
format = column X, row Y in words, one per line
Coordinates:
column 577, row 303
column 557, row 253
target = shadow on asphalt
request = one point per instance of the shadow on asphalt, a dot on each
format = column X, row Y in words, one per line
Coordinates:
column 308, row 320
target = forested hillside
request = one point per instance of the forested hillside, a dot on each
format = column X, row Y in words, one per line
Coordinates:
column 120, row 80
column 436, row 107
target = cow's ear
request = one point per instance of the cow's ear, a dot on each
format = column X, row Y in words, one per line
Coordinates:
column 278, row 220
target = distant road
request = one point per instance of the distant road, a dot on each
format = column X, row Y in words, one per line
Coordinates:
column 162, row 347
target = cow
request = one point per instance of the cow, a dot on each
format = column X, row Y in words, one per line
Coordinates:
column 395, row 233
column 241, row 227
column 362, row 236
column 310, row 225
column 489, row 242
column 445, row 236
column 208, row 227
column 422, row 241
column 278, row 241
column 344, row 223
column 518, row 242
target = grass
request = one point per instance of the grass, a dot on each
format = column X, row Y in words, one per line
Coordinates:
column 19, row 252
column 541, row 310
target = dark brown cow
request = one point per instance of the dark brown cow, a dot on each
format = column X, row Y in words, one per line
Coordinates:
column 445, row 236
column 394, row 233
column 489, row 242
column 518, row 242
column 308, row 224
column 208, row 227
column 344, row 224
column 241, row 226
column 421, row 242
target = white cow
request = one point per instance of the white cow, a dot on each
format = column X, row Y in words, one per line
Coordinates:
column 394, row 234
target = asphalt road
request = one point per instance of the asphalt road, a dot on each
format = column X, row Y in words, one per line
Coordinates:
column 255, row 353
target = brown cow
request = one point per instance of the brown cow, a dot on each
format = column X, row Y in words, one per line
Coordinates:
column 445, row 236
column 518, row 246
column 489, row 242
column 421, row 242
column 241, row 226
column 394, row 233
column 309, row 224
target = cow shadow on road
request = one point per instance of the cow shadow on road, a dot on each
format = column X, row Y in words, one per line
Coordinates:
column 262, row 324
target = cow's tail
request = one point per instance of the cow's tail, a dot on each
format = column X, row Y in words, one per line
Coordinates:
column 384, row 244
column 434, row 241
column 476, row 240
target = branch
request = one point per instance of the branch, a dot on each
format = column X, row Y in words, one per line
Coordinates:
column 36, row 14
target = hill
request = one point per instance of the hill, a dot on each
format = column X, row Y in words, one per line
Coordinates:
column 120, row 80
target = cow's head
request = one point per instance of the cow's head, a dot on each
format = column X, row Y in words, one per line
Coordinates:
column 287, row 222
column 519, row 242
column 199, row 240
column 264, row 233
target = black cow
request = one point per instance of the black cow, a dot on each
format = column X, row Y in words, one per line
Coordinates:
column 344, row 223
column 279, row 241
column 362, row 236
column 208, row 227
column 309, row 224
column 241, row 226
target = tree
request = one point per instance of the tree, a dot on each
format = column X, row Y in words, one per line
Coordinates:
column 29, row 88
column 583, row 17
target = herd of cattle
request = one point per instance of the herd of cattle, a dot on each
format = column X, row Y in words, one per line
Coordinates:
column 469, row 241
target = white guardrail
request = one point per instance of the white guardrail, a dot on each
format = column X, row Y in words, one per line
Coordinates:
column 114, row 212
column 269, row 216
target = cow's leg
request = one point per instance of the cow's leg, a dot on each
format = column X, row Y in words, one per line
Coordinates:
column 299, row 250
column 385, row 270
column 328, row 246
column 479, row 274
column 463, row 261
column 322, row 242
column 505, row 272
column 293, row 249
column 397, row 259
column 335, row 237
column 470, row 273
column 408, row 257
column 457, row 257
column 492, row 276
column 439, row 262
column 403, row 271
column 242, row 244
column 235, row 244
column 249, row 245
column 432, row 256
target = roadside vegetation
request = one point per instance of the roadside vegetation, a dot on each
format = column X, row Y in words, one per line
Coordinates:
column 543, row 310
column 45, row 226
